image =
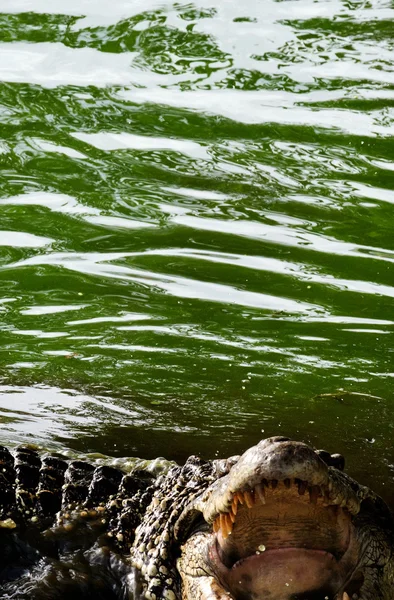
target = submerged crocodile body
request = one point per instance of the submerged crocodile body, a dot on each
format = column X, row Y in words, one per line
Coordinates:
column 280, row 522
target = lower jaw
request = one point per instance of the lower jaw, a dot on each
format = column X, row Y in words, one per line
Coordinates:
column 281, row 574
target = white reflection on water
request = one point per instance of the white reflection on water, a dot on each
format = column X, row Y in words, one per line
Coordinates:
column 112, row 319
column 263, row 263
column 251, row 44
column 53, row 64
column 62, row 203
column 279, row 234
column 118, row 141
column 41, row 412
column 50, row 310
column 97, row 264
column 376, row 193
column 266, row 107
column 37, row 333
column 21, row 239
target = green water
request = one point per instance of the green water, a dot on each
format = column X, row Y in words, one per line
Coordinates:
column 197, row 227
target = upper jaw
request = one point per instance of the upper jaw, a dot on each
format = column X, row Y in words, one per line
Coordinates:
column 274, row 461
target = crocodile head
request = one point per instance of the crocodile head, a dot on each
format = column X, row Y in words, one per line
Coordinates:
column 285, row 523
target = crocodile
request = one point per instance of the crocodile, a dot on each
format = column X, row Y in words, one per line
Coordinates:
column 283, row 521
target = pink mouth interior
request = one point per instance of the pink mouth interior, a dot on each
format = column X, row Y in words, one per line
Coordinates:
column 283, row 573
column 287, row 546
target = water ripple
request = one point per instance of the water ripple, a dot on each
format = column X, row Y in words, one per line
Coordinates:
column 196, row 225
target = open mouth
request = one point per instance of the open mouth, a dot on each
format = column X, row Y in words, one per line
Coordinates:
column 286, row 539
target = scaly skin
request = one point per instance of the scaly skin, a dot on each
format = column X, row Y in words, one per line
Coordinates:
column 281, row 522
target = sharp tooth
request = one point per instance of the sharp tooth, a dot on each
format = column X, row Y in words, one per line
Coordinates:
column 249, row 501
column 314, row 493
column 234, row 506
column 223, row 525
column 302, row 486
column 226, row 525
column 229, row 524
column 259, row 489
column 240, row 497
column 216, row 525
column 232, row 516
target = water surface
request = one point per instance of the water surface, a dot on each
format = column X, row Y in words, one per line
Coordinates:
column 196, row 227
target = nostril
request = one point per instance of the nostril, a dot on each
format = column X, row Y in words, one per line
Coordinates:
column 279, row 438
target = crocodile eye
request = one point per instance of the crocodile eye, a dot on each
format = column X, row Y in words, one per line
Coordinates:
column 338, row 461
column 332, row 460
